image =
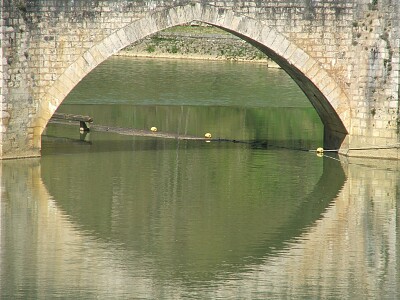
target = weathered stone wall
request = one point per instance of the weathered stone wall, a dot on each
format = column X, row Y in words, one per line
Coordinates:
column 2, row 90
column 373, row 74
column 18, row 105
column 343, row 54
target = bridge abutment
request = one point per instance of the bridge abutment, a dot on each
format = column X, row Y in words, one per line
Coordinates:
column 344, row 56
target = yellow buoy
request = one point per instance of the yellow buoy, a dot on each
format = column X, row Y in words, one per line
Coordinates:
column 154, row 129
column 320, row 150
column 207, row 135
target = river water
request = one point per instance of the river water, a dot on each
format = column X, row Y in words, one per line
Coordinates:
column 107, row 216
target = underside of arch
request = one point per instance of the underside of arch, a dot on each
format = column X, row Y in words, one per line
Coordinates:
column 323, row 92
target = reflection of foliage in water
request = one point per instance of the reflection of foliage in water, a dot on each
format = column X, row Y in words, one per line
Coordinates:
column 284, row 127
column 186, row 82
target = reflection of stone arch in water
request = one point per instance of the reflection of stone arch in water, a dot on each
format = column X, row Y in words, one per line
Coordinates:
column 24, row 190
column 52, row 248
column 351, row 252
column 294, row 223
column 324, row 93
column 312, row 208
column 325, row 191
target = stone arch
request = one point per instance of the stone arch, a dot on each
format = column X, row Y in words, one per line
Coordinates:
column 325, row 94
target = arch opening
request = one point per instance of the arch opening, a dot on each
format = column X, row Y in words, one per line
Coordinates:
column 302, row 68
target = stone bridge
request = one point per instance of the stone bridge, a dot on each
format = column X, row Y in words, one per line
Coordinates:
column 344, row 55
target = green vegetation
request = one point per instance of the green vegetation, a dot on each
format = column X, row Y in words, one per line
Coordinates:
column 21, row 6
column 373, row 5
column 173, row 49
column 150, row 49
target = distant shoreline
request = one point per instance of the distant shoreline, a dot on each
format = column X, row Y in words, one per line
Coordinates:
column 125, row 53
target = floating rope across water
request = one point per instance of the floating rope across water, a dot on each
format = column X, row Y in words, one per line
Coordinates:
column 392, row 146
column 153, row 132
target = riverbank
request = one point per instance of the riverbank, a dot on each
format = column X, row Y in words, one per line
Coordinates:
column 197, row 42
